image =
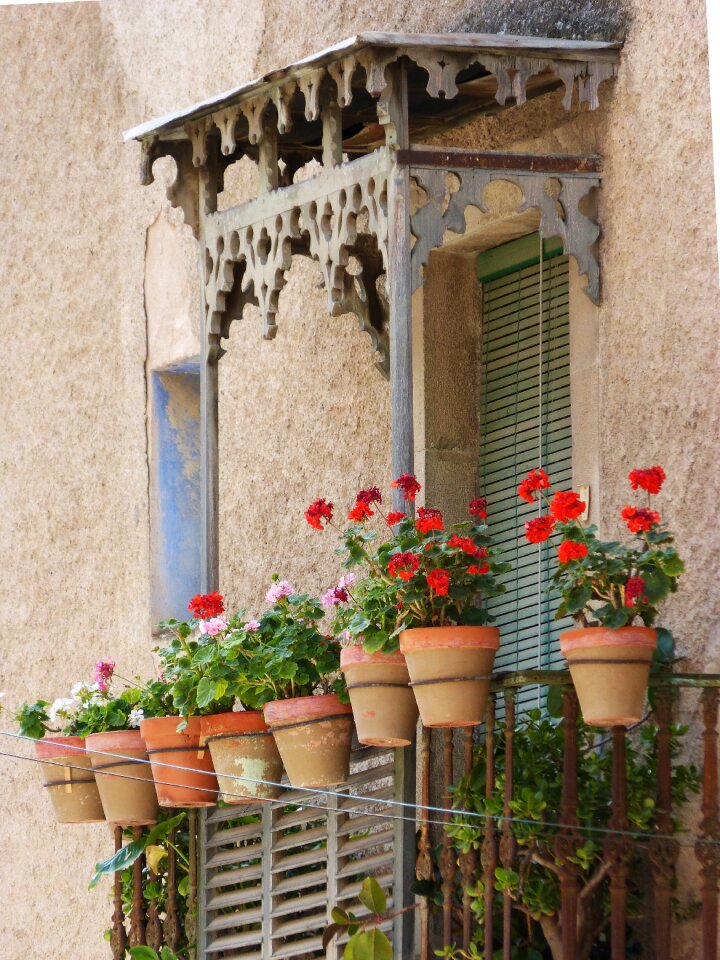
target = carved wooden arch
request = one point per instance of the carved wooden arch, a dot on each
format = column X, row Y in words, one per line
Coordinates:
column 564, row 202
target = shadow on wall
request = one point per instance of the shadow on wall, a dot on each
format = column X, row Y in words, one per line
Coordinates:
column 175, row 488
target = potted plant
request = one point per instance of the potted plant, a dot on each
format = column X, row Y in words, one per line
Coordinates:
column 383, row 704
column 423, row 590
column 607, row 587
column 213, row 668
column 91, row 722
column 309, row 713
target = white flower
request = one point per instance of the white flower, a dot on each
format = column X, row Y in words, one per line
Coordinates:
column 63, row 707
column 80, row 689
column 237, row 705
column 135, row 717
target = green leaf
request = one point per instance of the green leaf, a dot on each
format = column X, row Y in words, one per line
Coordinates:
column 371, row 945
column 340, row 916
column 666, row 645
column 554, row 700
column 167, row 954
column 613, row 617
column 372, row 896
column 657, row 584
column 123, row 858
column 577, row 598
column 332, row 930
column 205, row 692
column 143, row 953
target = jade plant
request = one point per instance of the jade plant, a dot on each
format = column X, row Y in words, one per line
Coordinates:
column 412, row 571
column 533, row 881
column 606, row 583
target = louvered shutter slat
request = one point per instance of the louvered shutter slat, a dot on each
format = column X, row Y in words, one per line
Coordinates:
column 511, row 415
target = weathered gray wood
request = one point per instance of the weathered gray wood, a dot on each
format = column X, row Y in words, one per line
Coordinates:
column 209, row 441
column 384, row 44
column 393, row 114
column 268, row 815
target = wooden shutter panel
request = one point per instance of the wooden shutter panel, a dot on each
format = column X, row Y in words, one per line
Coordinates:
column 525, row 425
column 269, row 877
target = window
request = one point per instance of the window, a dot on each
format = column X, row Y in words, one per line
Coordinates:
column 525, row 422
column 175, row 489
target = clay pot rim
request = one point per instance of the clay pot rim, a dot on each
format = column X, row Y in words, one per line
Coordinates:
column 353, row 655
column 57, row 746
column 240, row 721
column 297, row 709
column 117, row 740
column 461, row 637
column 163, row 727
column 587, row 638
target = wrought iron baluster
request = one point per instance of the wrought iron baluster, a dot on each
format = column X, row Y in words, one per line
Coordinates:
column 171, row 924
column 137, row 914
column 118, row 936
column 567, row 840
column 507, row 841
column 489, row 854
column 423, row 864
column 153, row 927
column 618, row 850
column 447, row 857
column 664, row 850
column 468, row 861
column 706, row 849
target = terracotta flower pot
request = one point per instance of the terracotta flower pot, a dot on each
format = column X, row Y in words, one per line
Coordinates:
column 610, row 670
column 195, row 787
column 313, row 735
column 73, row 792
column 127, row 803
column 242, row 745
column 450, row 670
column 383, row 704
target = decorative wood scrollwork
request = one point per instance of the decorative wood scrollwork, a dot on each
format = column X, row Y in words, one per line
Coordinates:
column 558, row 198
column 249, row 249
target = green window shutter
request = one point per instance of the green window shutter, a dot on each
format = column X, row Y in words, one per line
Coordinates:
column 525, row 423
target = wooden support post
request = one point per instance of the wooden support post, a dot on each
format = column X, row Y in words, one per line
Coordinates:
column 331, row 113
column 393, row 114
column 209, row 355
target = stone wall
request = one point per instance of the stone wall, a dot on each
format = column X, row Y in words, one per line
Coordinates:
column 89, row 295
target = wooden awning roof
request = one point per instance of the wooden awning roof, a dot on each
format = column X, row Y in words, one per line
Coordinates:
column 451, row 78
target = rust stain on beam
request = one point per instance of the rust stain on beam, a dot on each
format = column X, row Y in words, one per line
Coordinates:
column 472, row 159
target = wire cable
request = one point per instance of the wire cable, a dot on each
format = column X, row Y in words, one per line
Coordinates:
column 497, row 818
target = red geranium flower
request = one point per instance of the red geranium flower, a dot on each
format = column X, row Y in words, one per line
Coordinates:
column 204, row 606
column 568, row 550
column 475, row 571
column 651, row 479
column 428, row 519
column 403, row 565
column 395, row 516
column 566, row 506
column 539, row 529
column 634, row 590
column 466, row 544
column 534, row 481
column 478, row 508
column 371, row 495
column 408, row 484
column 361, row 511
column 318, row 511
column 639, row 519
column 439, row 581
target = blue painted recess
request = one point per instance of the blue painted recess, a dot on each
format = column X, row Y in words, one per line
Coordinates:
column 175, row 488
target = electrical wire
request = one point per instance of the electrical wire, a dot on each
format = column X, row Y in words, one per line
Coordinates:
column 496, row 818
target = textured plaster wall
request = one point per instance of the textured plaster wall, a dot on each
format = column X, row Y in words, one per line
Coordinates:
column 303, row 416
